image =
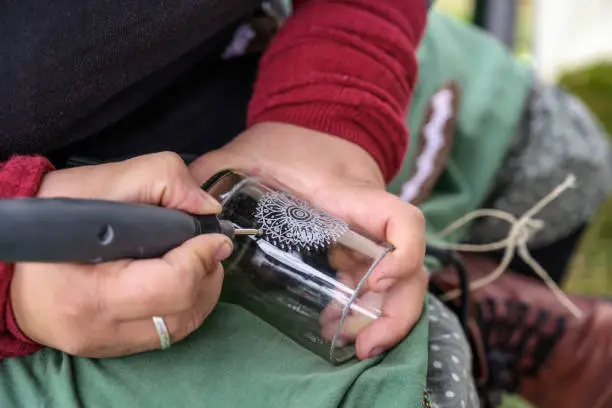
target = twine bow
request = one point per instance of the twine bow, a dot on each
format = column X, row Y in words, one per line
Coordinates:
column 522, row 229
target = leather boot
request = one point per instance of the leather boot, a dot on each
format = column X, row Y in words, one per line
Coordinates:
column 525, row 341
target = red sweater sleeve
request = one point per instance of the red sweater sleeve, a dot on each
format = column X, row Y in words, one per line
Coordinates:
column 346, row 68
column 19, row 177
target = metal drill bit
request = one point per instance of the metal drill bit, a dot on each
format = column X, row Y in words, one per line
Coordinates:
column 247, row 231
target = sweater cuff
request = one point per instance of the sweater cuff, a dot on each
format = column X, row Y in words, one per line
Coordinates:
column 19, row 177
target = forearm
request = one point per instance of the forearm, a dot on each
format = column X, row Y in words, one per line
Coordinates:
column 19, row 177
column 345, row 68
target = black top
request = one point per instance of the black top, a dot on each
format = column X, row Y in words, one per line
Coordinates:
column 70, row 68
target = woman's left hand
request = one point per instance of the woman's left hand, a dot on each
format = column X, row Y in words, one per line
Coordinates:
column 343, row 179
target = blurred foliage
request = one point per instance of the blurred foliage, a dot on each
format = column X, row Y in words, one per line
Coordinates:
column 591, row 271
column 593, row 85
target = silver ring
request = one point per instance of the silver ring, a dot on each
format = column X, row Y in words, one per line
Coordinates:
column 162, row 332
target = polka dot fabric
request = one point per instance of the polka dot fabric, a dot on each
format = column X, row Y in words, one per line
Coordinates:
column 449, row 375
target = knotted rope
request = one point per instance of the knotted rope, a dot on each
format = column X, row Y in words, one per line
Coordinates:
column 522, row 229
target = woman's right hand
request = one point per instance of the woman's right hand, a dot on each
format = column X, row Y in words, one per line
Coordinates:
column 106, row 310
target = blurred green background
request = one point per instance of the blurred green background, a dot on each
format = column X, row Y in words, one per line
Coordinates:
column 590, row 272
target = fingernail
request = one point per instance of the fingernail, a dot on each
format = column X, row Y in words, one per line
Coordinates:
column 224, row 251
column 377, row 351
column 385, row 284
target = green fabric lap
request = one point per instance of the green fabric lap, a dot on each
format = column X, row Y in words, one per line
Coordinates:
column 233, row 360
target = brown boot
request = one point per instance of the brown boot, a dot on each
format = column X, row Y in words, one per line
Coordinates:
column 524, row 341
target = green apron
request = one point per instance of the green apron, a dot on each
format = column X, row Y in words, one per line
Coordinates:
column 233, row 360
column 237, row 360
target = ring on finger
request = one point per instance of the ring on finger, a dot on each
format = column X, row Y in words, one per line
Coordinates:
column 162, row 332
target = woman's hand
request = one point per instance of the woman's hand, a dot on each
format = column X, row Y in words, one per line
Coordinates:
column 343, row 179
column 106, row 309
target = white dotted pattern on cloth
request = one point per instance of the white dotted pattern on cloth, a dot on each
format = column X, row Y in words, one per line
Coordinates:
column 449, row 378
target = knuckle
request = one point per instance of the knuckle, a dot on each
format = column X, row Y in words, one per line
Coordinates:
column 416, row 268
column 75, row 346
column 202, row 261
column 418, row 216
column 190, row 292
column 214, row 284
column 410, row 210
column 171, row 161
column 77, row 315
column 422, row 277
column 194, row 320
column 409, row 265
column 155, row 174
column 185, row 295
column 186, row 269
column 75, row 339
column 192, row 295
column 208, row 264
column 410, row 214
column 76, row 308
column 166, row 165
column 185, row 324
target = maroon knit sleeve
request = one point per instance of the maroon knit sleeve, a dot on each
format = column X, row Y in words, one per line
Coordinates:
column 346, row 68
column 19, row 177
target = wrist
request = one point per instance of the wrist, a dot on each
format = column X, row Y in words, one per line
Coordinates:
column 49, row 183
column 65, row 182
column 360, row 126
column 286, row 153
column 13, row 341
column 333, row 156
column 21, row 176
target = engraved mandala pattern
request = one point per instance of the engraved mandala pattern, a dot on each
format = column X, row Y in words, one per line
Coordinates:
column 292, row 224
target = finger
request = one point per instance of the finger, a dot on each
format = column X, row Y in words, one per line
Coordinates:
column 351, row 327
column 333, row 311
column 401, row 311
column 137, row 289
column 353, row 263
column 179, row 325
column 331, row 315
column 159, row 179
column 136, row 336
column 360, row 314
column 164, row 179
column 401, row 224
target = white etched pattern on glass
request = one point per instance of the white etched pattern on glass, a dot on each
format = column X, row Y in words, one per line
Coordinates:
column 292, row 224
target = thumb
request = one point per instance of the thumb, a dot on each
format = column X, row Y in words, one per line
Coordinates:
column 164, row 179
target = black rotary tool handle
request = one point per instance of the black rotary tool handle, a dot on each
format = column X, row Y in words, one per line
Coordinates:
column 89, row 231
